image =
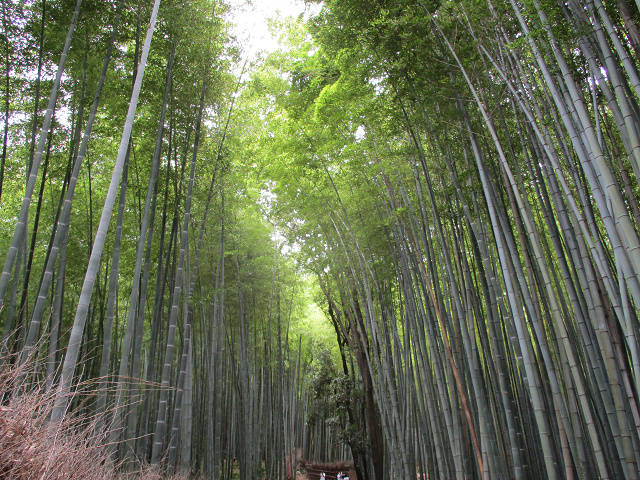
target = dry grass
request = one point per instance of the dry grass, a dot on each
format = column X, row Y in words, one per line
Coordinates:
column 32, row 448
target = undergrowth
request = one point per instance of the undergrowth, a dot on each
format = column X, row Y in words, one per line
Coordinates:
column 32, row 447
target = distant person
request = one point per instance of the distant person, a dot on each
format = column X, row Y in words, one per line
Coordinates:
column 322, row 476
column 339, row 476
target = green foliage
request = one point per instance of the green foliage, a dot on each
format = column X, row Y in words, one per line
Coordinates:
column 397, row 192
column 335, row 398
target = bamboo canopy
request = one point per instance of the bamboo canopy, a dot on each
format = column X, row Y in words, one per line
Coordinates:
column 404, row 245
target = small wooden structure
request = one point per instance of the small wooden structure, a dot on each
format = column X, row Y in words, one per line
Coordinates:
column 331, row 470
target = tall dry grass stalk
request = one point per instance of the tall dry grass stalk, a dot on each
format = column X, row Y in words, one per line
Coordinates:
column 32, row 447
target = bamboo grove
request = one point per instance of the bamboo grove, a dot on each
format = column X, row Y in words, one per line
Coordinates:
column 475, row 229
column 141, row 287
column 410, row 239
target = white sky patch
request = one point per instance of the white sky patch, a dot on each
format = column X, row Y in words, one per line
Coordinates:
column 378, row 84
column 266, row 201
column 251, row 26
column 267, row 197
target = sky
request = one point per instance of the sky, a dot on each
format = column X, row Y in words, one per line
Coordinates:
column 250, row 17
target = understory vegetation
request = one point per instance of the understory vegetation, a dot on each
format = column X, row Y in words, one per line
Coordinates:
column 404, row 245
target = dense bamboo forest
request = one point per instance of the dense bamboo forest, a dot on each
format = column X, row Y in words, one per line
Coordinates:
column 405, row 244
